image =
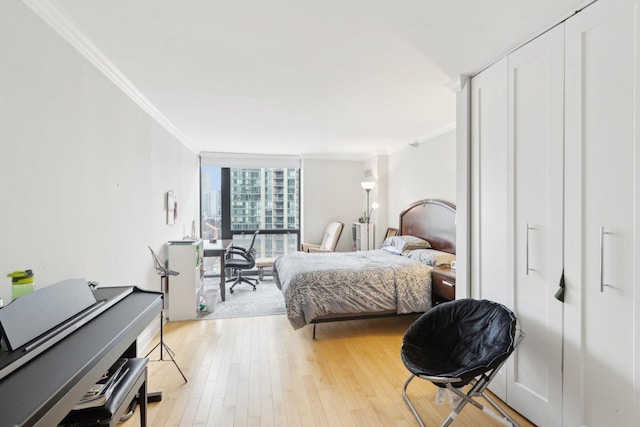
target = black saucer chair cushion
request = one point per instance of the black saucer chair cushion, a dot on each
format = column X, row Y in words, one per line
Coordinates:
column 459, row 339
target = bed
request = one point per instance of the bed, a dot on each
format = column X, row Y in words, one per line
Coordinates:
column 391, row 281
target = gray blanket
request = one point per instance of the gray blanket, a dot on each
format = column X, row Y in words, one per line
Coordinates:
column 320, row 284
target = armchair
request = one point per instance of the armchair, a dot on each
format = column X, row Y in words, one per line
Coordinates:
column 329, row 241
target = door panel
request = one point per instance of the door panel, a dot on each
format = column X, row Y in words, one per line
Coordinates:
column 536, row 134
column 601, row 213
column 489, row 191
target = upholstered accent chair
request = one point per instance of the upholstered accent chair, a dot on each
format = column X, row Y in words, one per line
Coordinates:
column 329, row 241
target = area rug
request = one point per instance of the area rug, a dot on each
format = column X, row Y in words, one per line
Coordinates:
column 266, row 300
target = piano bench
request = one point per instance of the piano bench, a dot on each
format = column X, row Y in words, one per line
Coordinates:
column 109, row 414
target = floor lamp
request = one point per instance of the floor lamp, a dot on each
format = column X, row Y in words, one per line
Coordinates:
column 164, row 274
column 368, row 186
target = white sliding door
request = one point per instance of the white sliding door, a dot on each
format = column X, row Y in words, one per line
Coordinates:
column 536, row 146
column 602, row 216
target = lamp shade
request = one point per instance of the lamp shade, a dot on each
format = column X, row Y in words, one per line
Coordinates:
column 368, row 185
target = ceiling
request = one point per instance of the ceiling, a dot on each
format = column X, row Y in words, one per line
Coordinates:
column 317, row 78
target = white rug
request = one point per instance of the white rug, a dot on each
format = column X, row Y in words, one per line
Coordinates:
column 266, row 300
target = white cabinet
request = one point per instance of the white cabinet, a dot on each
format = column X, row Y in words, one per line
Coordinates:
column 602, row 216
column 554, row 159
column 182, row 292
column 363, row 236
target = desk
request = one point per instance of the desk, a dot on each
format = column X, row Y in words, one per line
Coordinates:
column 218, row 249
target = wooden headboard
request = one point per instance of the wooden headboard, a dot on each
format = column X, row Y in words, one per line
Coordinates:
column 433, row 220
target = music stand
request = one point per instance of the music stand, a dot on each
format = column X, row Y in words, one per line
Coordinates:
column 164, row 273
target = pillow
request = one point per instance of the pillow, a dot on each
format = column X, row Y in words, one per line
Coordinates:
column 404, row 243
column 391, row 250
column 431, row 257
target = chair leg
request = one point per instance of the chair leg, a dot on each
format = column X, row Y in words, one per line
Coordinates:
column 408, row 402
column 239, row 279
column 468, row 398
column 465, row 399
column 499, row 409
column 245, row 280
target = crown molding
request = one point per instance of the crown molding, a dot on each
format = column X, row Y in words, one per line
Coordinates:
column 424, row 138
column 455, row 85
column 348, row 157
column 58, row 21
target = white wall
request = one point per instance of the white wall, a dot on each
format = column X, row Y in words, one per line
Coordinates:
column 330, row 192
column 331, row 188
column 425, row 172
column 378, row 166
column 83, row 170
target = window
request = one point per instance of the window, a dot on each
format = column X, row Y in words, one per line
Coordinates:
column 236, row 199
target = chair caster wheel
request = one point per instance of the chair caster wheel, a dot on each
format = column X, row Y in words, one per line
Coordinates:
column 231, row 290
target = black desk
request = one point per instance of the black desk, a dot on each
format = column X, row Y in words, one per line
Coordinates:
column 218, row 249
column 45, row 389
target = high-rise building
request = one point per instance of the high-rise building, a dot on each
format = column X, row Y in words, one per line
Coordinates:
column 267, row 198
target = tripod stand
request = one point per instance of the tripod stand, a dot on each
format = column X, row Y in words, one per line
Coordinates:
column 164, row 274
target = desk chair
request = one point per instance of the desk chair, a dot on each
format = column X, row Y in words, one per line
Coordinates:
column 242, row 259
column 164, row 273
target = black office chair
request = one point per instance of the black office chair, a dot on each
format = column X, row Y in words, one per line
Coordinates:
column 459, row 343
column 239, row 259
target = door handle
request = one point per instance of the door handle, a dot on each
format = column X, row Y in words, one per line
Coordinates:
column 602, row 234
column 527, row 250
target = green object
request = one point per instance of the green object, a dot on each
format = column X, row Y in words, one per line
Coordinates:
column 19, row 290
column 21, row 277
column 22, row 283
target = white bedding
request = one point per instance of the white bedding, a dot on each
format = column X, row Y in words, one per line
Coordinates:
column 316, row 285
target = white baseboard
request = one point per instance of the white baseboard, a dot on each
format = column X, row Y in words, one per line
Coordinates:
column 146, row 337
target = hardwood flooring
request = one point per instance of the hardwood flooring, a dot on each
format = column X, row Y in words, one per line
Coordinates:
column 258, row 371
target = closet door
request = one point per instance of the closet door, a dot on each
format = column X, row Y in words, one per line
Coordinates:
column 489, row 255
column 601, row 252
column 536, row 146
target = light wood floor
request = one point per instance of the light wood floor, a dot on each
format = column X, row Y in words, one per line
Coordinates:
column 260, row 372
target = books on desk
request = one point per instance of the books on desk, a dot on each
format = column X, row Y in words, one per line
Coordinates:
column 100, row 393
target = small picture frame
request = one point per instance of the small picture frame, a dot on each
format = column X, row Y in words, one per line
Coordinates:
column 172, row 208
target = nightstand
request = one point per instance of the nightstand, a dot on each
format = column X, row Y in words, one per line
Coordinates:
column 443, row 284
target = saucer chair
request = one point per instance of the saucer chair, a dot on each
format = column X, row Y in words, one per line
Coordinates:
column 459, row 343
